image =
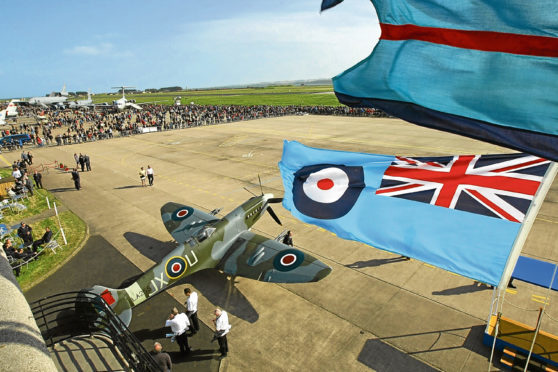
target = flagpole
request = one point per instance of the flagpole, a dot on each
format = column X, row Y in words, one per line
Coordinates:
column 530, row 216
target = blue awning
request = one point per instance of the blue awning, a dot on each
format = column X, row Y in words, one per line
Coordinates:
column 536, row 272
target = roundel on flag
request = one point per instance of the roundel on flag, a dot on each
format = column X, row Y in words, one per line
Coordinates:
column 175, row 267
column 327, row 191
column 182, row 213
column 288, row 260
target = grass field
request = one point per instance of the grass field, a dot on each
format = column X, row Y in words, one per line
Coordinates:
column 48, row 262
column 75, row 230
column 274, row 95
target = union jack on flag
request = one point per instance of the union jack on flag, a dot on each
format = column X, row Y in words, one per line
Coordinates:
column 500, row 186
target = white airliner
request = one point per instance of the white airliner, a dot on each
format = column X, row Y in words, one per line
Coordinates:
column 82, row 102
column 123, row 103
column 8, row 112
column 53, row 99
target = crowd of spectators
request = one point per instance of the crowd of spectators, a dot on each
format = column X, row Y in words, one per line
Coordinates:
column 63, row 127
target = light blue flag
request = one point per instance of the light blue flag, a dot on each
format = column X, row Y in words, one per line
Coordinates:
column 486, row 69
column 459, row 213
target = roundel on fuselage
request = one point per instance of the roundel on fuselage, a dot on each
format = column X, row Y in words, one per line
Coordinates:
column 175, row 267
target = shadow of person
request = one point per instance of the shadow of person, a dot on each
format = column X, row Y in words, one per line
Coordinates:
column 127, row 187
column 194, row 355
column 62, row 189
column 475, row 287
column 151, row 334
column 376, row 262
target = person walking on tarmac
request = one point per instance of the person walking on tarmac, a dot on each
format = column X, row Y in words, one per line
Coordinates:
column 75, row 177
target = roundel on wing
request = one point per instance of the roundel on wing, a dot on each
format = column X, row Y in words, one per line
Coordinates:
column 182, row 213
column 288, row 260
column 175, row 267
column 327, row 191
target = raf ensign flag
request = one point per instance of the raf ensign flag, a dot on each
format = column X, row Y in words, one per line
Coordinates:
column 461, row 213
column 486, row 69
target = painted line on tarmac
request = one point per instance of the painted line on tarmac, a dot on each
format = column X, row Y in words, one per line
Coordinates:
column 4, row 160
column 546, row 220
column 543, row 301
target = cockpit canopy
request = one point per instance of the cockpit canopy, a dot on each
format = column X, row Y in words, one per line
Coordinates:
column 205, row 233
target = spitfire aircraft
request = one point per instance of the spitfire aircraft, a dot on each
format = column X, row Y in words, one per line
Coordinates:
column 227, row 244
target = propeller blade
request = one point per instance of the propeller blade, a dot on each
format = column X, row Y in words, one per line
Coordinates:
column 260, row 181
column 249, row 191
column 274, row 216
column 275, row 200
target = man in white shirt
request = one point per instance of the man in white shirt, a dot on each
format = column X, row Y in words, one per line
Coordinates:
column 16, row 174
column 179, row 324
column 222, row 327
column 150, row 175
column 192, row 309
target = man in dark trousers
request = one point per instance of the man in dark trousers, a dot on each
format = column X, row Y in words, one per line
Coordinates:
column 192, row 309
column 179, row 324
column 27, row 182
column 75, row 177
column 45, row 239
column 38, row 178
column 81, row 161
column 87, row 162
column 222, row 327
column 288, row 239
column 25, row 232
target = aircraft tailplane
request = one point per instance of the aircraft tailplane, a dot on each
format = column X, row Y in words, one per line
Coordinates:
column 118, row 299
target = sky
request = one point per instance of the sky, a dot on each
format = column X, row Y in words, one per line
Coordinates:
column 100, row 44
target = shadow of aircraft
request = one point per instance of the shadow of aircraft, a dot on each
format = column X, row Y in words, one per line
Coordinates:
column 151, row 248
column 381, row 356
column 221, row 292
column 213, row 284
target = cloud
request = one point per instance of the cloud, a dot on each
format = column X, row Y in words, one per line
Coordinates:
column 91, row 50
column 276, row 47
column 101, row 49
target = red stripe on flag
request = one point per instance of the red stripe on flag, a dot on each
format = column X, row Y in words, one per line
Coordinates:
column 493, row 206
column 489, row 41
column 512, row 167
column 393, row 189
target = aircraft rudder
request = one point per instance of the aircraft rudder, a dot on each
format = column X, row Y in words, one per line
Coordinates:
column 117, row 299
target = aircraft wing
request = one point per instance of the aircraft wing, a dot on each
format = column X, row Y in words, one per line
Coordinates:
column 256, row 257
column 182, row 221
column 134, row 105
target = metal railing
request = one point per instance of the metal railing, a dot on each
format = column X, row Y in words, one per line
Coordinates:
column 70, row 314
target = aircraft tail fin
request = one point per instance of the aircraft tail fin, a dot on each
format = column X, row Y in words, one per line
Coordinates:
column 64, row 92
column 3, row 117
column 118, row 299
